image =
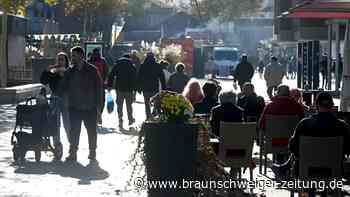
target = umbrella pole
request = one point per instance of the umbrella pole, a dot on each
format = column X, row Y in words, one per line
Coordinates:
column 337, row 48
column 329, row 72
column 345, row 94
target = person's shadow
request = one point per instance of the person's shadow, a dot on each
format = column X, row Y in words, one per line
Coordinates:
column 85, row 174
column 132, row 131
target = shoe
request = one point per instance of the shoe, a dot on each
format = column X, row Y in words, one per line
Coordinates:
column 92, row 155
column 71, row 158
column 132, row 121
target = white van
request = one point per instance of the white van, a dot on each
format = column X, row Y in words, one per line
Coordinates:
column 225, row 60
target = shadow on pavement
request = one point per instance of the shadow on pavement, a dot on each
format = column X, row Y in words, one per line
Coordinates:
column 85, row 174
column 131, row 131
column 105, row 130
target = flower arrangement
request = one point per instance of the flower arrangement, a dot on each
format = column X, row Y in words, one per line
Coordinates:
column 172, row 53
column 172, row 107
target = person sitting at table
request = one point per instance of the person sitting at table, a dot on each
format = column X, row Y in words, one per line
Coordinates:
column 296, row 95
column 322, row 124
column 227, row 111
column 282, row 104
column 252, row 104
column 209, row 100
column 193, row 91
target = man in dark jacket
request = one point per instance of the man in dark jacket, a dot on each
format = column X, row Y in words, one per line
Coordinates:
column 244, row 72
column 83, row 86
column 148, row 80
column 322, row 124
column 179, row 79
column 227, row 111
column 123, row 75
column 252, row 104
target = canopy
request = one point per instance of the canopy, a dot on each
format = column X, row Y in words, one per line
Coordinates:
column 320, row 9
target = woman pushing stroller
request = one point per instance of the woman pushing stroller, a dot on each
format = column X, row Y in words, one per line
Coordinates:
column 53, row 76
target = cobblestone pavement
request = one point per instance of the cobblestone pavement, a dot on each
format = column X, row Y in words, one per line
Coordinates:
column 107, row 178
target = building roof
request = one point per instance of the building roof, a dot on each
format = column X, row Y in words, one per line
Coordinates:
column 320, row 9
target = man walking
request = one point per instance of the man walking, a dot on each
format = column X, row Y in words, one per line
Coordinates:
column 243, row 72
column 148, row 80
column 273, row 75
column 83, row 86
column 124, row 76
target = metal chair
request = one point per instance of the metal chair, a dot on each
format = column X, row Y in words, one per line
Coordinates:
column 274, row 139
column 236, row 145
column 320, row 159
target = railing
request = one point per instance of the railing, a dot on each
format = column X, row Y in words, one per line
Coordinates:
column 19, row 74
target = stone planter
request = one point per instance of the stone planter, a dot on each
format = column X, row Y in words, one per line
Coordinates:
column 171, row 151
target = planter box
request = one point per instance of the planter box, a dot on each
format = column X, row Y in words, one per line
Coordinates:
column 171, row 153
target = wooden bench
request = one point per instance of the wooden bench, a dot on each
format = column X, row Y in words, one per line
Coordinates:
column 15, row 94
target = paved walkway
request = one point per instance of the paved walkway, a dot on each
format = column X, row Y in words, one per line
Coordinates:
column 108, row 178
column 47, row 178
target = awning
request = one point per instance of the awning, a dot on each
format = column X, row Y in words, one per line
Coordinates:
column 320, row 9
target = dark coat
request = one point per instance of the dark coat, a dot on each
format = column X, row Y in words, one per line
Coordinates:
column 53, row 79
column 320, row 125
column 83, row 87
column 227, row 112
column 177, row 82
column 205, row 106
column 123, row 75
column 243, row 72
column 252, row 105
column 149, row 75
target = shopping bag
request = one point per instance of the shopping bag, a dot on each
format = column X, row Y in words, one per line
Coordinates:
column 110, row 103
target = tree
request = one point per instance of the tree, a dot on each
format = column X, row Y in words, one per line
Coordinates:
column 225, row 10
column 99, row 14
column 91, row 12
column 17, row 7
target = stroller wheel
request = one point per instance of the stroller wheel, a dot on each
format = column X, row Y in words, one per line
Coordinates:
column 37, row 155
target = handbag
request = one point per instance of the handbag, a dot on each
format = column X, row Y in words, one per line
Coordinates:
column 110, row 103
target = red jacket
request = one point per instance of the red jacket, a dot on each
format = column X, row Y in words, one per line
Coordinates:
column 281, row 105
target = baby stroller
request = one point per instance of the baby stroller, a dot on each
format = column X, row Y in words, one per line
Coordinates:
column 36, row 122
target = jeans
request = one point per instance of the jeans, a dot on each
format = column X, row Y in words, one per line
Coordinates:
column 89, row 117
column 128, row 97
column 147, row 97
column 59, row 105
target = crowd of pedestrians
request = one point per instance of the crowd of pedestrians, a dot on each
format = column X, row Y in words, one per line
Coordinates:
column 70, row 81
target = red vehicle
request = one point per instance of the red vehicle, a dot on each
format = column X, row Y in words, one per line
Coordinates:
column 187, row 47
